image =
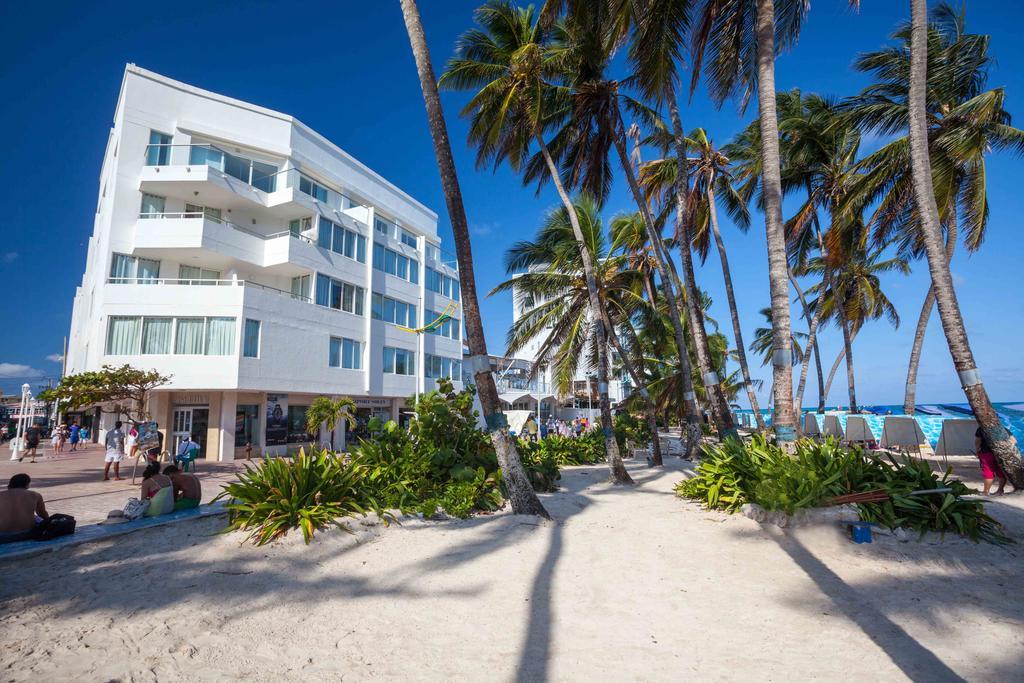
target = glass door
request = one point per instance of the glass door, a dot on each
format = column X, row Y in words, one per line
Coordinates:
column 189, row 421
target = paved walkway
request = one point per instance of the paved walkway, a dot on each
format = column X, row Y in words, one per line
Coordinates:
column 72, row 483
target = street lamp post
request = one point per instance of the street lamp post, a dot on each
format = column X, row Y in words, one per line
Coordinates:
column 26, row 396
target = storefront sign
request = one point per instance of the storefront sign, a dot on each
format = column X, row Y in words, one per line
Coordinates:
column 373, row 402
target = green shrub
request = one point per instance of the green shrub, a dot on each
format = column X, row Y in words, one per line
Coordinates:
column 310, row 492
column 631, row 428
column 732, row 474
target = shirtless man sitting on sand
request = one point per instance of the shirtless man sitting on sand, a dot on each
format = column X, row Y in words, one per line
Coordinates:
column 188, row 491
column 19, row 510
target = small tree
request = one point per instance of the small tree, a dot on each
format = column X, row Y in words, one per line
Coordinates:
column 324, row 411
column 126, row 387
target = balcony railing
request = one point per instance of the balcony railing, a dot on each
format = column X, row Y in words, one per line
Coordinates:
column 514, row 384
column 204, row 282
column 215, row 219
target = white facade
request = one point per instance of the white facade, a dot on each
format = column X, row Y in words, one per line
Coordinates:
column 248, row 257
column 582, row 401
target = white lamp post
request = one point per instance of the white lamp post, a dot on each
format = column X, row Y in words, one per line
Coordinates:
column 26, row 396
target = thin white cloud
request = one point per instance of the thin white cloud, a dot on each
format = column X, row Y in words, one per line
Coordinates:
column 55, row 357
column 9, row 370
column 10, row 256
column 958, row 279
column 482, row 229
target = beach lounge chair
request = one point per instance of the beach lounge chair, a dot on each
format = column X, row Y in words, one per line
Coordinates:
column 902, row 433
column 858, row 432
column 811, row 429
column 956, row 438
column 833, row 428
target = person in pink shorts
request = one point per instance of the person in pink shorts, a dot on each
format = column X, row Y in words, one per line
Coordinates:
column 990, row 468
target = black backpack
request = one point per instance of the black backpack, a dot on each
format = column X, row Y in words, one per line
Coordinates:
column 54, row 527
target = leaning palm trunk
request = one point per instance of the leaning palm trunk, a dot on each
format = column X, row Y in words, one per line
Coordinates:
column 615, row 464
column 741, row 353
column 720, row 412
column 835, row 364
column 692, row 434
column 848, row 352
column 784, row 422
column 942, row 282
column 520, row 492
column 812, row 343
column 910, row 397
column 650, row 413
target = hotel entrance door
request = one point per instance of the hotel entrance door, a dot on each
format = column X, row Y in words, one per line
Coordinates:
column 190, row 421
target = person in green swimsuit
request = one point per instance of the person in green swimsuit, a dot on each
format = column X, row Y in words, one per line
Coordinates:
column 188, row 491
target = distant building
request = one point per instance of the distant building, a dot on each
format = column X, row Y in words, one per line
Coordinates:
column 260, row 265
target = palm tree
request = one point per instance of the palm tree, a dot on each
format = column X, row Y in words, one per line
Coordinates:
column 513, row 63
column 763, row 343
column 547, row 272
column 520, row 492
column 327, row 412
column 853, row 294
column 965, row 122
column 931, row 235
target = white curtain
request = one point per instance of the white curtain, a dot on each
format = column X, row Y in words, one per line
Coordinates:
column 220, row 336
column 156, row 335
column 152, row 205
column 121, row 267
column 123, row 335
column 189, row 336
column 148, row 270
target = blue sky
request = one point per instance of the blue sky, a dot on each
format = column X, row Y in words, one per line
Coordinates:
column 346, row 70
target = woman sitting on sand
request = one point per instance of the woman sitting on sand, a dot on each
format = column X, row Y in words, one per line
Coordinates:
column 158, row 490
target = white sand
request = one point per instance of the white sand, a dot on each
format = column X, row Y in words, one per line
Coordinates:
column 627, row 585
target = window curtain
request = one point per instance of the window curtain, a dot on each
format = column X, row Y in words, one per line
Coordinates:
column 323, row 290
column 152, row 205
column 220, row 336
column 334, row 359
column 252, row 339
column 123, row 335
column 148, row 270
column 121, row 268
column 323, row 234
column 188, row 338
column 156, row 335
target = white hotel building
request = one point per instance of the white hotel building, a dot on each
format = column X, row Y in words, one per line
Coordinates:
column 260, row 266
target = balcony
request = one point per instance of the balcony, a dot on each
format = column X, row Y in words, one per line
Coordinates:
column 186, row 234
column 218, row 178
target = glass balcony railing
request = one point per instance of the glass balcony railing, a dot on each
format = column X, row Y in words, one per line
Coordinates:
column 219, row 220
column 258, row 174
column 204, row 282
column 518, row 384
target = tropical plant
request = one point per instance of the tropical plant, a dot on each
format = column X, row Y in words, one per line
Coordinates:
column 310, row 492
column 513, row 62
column 521, row 494
column 328, row 412
column 938, row 266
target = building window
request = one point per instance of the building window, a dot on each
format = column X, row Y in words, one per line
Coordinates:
column 450, row 328
column 393, row 263
column 207, row 212
column 125, row 269
column 300, row 287
column 399, row 361
column 260, row 175
column 433, row 252
column 393, row 311
column 195, row 275
column 407, row 238
column 123, row 335
column 384, row 227
column 436, row 367
column 152, row 206
column 246, row 425
column 442, row 284
column 346, row 353
column 251, row 339
column 158, row 152
column 189, row 336
column 341, row 240
column 156, row 335
column 339, row 295
column 300, row 226
column 313, row 189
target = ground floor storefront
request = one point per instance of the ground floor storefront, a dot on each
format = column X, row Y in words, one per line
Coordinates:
column 231, row 425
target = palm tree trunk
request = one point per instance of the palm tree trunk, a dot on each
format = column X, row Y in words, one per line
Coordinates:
column 835, row 366
column 615, row 464
column 521, row 494
column 812, row 342
column 720, row 412
column 741, row 352
column 910, row 397
column 771, row 189
column 942, row 282
column 848, row 351
column 692, row 434
column 649, row 412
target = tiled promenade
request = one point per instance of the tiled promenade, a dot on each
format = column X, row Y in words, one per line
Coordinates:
column 72, row 483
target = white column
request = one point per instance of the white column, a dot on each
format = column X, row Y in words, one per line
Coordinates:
column 226, row 432
column 368, row 355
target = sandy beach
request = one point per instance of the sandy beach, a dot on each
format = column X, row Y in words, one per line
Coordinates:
column 624, row 585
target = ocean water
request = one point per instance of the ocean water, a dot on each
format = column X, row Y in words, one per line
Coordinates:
column 1011, row 414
